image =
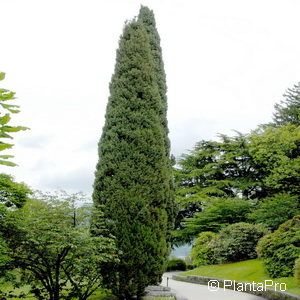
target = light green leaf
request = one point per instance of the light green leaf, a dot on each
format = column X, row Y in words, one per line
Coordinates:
column 6, row 156
column 6, row 95
column 10, row 107
column 14, row 129
column 7, row 163
column 4, row 146
column 5, row 119
column 4, row 135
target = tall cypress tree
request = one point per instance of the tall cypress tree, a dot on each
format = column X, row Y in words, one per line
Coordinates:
column 146, row 16
column 132, row 178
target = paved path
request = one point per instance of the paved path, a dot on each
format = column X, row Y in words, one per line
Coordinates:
column 193, row 291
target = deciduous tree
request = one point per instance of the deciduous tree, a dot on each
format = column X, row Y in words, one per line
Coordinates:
column 57, row 256
column 6, row 109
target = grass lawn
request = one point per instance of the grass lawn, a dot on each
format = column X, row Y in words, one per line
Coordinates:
column 248, row 270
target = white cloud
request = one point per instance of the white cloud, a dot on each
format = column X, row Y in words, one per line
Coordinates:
column 75, row 180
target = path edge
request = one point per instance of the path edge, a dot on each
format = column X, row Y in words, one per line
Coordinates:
column 267, row 293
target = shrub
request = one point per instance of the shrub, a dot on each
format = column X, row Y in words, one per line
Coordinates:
column 190, row 266
column 237, row 242
column 176, row 264
column 280, row 249
column 202, row 251
column 297, row 271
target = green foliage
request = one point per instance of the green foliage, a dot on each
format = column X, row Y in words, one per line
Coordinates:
column 221, row 170
column 50, row 242
column 218, row 169
column 237, row 242
column 176, row 264
column 6, row 109
column 297, row 271
column 273, row 211
column 277, row 152
column 146, row 17
column 13, row 193
column 256, row 167
column 288, row 110
column 233, row 243
column 4, row 256
column 202, row 251
column 133, row 182
column 280, row 249
column 216, row 214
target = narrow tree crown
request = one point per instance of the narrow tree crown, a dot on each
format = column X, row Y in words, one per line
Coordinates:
column 133, row 180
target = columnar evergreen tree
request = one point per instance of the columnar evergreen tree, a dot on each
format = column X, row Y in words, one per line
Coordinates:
column 146, row 16
column 132, row 184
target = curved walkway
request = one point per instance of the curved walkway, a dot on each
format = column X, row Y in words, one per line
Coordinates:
column 193, row 291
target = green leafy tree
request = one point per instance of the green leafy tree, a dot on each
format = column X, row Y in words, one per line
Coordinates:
column 6, row 109
column 13, row 195
column 216, row 214
column 288, row 110
column 250, row 167
column 221, row 169
column 5, row 259
column 132, row 179
column 277, row 152
column 58, row 257
column 273, row 211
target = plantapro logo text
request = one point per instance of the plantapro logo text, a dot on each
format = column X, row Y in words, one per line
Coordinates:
column 214, row 285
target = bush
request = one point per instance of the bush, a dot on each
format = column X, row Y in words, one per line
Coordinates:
column 297, row 271
column 190, row 266
column 202, row 251
column 176, row 264
column 237, row 242
column 280, row 249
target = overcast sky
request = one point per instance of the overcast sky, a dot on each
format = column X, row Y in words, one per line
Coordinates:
column 227, row 64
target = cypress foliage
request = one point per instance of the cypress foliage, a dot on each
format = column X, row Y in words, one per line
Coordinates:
column 132, row 178
column 146, row 16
